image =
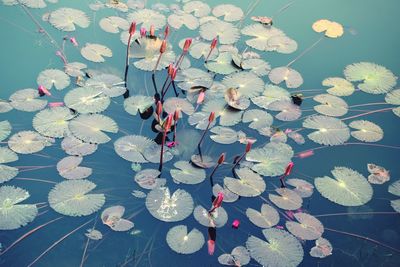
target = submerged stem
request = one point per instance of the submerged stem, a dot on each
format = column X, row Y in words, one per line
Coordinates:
column 364, row 238
column 358, row 213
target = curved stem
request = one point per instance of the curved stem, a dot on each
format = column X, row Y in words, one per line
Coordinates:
column 367, row 113
column 364, row 238
column 358, row 213
column 305, row 51
column 58, row 242
column 36, row 180
column 28, row 234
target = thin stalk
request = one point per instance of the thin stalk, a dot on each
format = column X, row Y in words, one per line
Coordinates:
column 204, row 134
column 28, row 234
column 127, row 60
column 36, row 180
column 364, row 238
column 305, row 51
column 58, row 242
column 358, row 213
column 212, row 174
column 367, row 113
column 162, row 151
column 86, row 245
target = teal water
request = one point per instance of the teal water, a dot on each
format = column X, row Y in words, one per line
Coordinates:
column 25, row 53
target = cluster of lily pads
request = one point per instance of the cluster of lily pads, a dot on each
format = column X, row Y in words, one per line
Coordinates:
column 239, row 87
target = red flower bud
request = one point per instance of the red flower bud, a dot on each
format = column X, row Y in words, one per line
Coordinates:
column 132, row 28
column 168, row 123
column 173, row 75
column 143, row 32
column 166, row 32
column 177, row 115
column 211, row 117
column 214, row 43
column 159, row 108
column 221, row 159
column 248, row 146
column 163, row 46
column 187, row 44
column 152, row 31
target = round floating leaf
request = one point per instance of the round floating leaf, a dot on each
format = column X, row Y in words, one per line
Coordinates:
column 379, row 175
column 249, row 184
column 198, row 8
column 112, row 217
column 307, row 228
column 187, row 173
column 113, row 24
column 169, row 208
column 270, row 160
column 261, row 36
column 280, row 250
column 281, row 44
column 5, row 130
column 366, row 131
column 175, row 103
column 302, row 187
column 95, row 52
column 182, row 242
column 230, row 12
column 148, row 179
column 287, row 199
column 27, row 100
column 224, row 135
column 71, row 198
column 7, row 173
column 267, row 218
column 247, row 83
column 178, row 19
column 349, row 188
column 91, row 128
column 5, row 106
column 239, row 256
column 332, row 29
column 111, row 85
column 75, row 147
column 393, row 97
column 322, row 248
column 69, row 168
column 330, row 131
column 226, row 32
column 339, row 86
column 271, row 94
column 137, row 103
column 148, row 18
column 132, row 147
column 291, row 77
column 217, row 218
column 256, row 66
column 12, row 214
column 65, row 19
column 229, row 196
column 53, row 122
column 189, row 78
column 288, row 110
column 330, row 105
column 28, row 142
column 222, row 64
column 375, row 79
column 258, row 118
column 53, row 77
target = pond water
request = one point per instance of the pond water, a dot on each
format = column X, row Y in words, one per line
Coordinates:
column 359, row 217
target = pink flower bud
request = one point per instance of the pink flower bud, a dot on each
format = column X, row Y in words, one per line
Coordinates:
column 236, row 224
column 159, row 108
column 43, row 91
column 214, row 43
column 73, row 41
column 211, row 247
column 166, row 32
column 200, row 98
column 289, row 168
column 163, row 46
column 173, row 75
column 56, row 104
column 221, row 159
column 211, row 117
column 218, row 200
column 152, row 31
column 168, row 123
column 187, row 44
column 143, row 32
column 132, row 28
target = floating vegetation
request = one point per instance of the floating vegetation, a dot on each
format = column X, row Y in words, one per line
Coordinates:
column 280, row 249
column 169, row 208
column 142, row 114
column 180, row 241
column 348, row 188
column 13, row 214
column 72, row 198
column 266, row 218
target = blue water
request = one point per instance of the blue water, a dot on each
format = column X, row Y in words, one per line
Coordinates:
column 25, row 53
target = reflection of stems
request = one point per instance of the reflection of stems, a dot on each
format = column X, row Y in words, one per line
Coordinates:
column 87, row 244
column 364, row 238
